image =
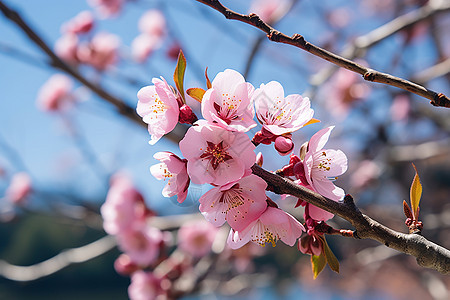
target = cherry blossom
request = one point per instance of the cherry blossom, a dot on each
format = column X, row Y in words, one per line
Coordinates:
column 228, row 103
column 124, row 206
column 239, row 203
column 107, row 8
column 143, row 46
column 269, row 10
column 174, row 169
column 216, row 155
column 153, row 23
column 278, row 114
column 19, row 188
column 159, row 108
column 274, row 224
column 124, row 265
column 144, row 286
column 55, row 94
column 101, row 52
column 196, row 237
column 81, row 23
column 66, row 48
column 141, row 243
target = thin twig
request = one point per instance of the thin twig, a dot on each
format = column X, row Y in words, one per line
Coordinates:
column 427, row 253
column 297, row 40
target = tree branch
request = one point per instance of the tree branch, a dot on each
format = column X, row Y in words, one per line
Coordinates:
column 297, row 40
column 427, row 253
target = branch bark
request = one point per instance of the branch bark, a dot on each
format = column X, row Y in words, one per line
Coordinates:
column 297, row 40
column 427, row 253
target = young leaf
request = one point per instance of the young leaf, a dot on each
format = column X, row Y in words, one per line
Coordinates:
column 208, row 82
column 407, row 210
column 312, row 121
column 415, row 194
column 196, row 93
column 317, row 264
column 331, row 258
column 178, row 75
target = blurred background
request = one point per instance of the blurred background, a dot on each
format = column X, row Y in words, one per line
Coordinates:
column 61, row 155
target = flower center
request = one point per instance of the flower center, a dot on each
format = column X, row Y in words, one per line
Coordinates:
column 216, row 153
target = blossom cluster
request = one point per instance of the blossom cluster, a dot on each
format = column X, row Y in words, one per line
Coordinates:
column 217, row 150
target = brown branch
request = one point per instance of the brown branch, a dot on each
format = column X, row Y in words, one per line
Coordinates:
column 297, row 40
column 427, row 253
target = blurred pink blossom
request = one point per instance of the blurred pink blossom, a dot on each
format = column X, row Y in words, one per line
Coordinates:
column 81, row 23
column 143, row 46
column 107, row 8
column 101, row 52
column 174, row 169
column 19, row 188
column 269, row 10
column 66, row 48
column 158, row 106
column 124, row 207
column 124, row 265
column 366, row 172
column 55, row 94
column 153, row 23
column 145, row 286
column 273, row 225
column 400, row 107
column 239, row 203
column 216, row 155
column 197, row 237
column 228, row 102
column 141, row 243
column 278, row 114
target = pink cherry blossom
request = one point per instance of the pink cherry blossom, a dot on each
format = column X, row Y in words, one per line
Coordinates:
column 124, row 207
column 319, row 166
column 158, row 107
column 143, row 46
column 124, row 266
column 239, row 203
column 216, row 155
column 228, row 103
column 55, row 94
column 19, row 188
column 145, row 286
column 278, row 114
column 153, row 23
column 141, row 243
column 66, row 47
column 174, row 169
column 81, row 23
column 107, row 8
column 101, row 52
column 269, row 10
column 196, row 237
column 273, row 225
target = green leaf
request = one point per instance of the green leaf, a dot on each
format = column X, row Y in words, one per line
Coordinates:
column 178, row 75
column 415, row 194
column 331, row 258
column 317, row 264
column 208, row 82
column 196, row 93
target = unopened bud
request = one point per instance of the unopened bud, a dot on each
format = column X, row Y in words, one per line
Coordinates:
column 259, row 159
column 284, row 145
column 186, row 116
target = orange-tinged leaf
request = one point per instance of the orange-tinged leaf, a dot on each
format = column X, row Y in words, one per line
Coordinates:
column 317, row 264
column 208, row 82
column 329, row 255
column 178, row 75
column 312, row 121
column 196, row 93
column 415, row 194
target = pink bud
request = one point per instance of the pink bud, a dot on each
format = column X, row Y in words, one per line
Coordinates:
column 124, row 265
column 186, row 116
column 284, row 145
column 19, row 188
column 259, row 159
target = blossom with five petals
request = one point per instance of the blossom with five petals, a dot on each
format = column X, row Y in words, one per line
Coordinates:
column 228, row 102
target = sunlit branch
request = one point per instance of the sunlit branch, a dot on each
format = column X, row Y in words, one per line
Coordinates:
column 297, row 40
column 428, row 254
